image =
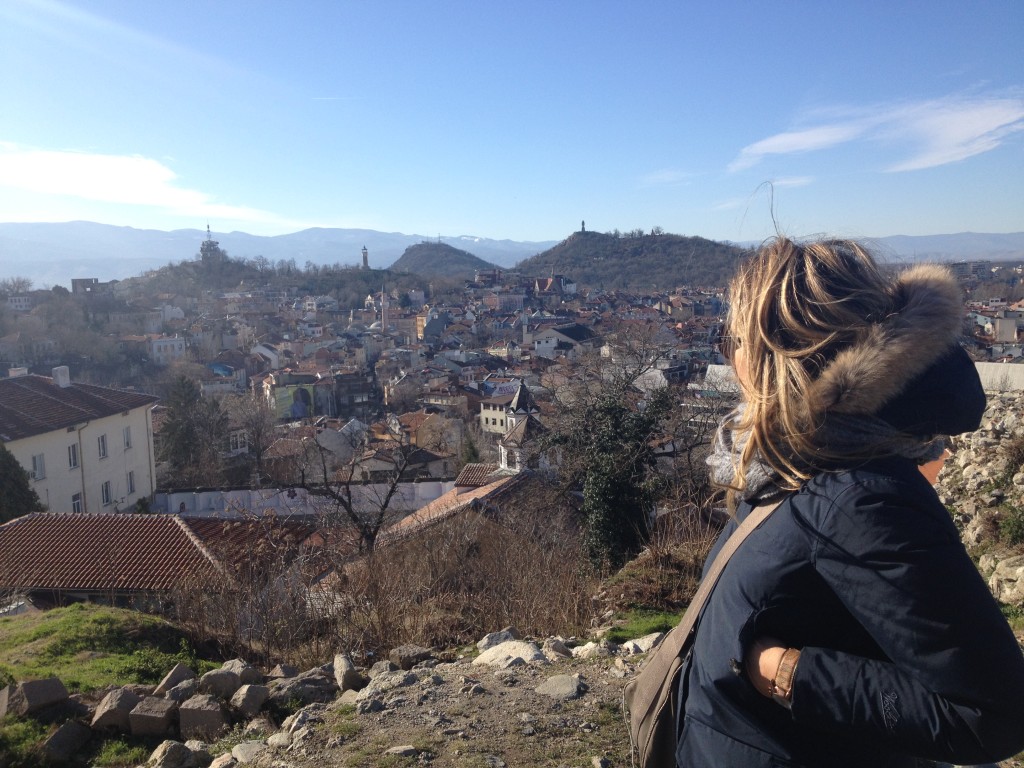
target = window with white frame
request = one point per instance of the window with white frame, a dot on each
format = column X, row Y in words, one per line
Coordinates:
column 127, row 437
column 101, row 445
column 38, row 467
column 130, row 481
column 76, row 503
column 73, row 456
column 105, row 493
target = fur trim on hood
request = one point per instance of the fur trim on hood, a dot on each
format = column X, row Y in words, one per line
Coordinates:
column 925, row 323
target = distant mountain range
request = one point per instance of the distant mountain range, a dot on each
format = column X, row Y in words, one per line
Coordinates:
column 51, row 254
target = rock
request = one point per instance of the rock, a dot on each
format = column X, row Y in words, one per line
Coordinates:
column 382, row 666
column 248, row 751
column 30, row 696
column 200, row 752
column 221, row 683
column 308, row 715
column 184, row 690
column 66, row 742
column 562, row 687
column 408, row 656
column 171, row 754
column 247, row 673
column 590, row 650
column 179, row 673
column 555, row 649
column 279, row 740
column 313, row 686
column 599, row 762
column 283, row 670
column 261, row 726
column 249, row 699
column 385, row 682
column 112, row 712
column 152, row 716
column 224, row 761
column 497, row 638
column 406, row 750
column 346, row 675
column 369, row 706
column 1007, row 580
column 505, row 654
column 202, row 716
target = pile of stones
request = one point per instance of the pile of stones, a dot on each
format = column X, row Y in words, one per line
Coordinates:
column 982, row 484
column 190, row 712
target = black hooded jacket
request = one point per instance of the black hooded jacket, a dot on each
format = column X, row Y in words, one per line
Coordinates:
column 904, row 651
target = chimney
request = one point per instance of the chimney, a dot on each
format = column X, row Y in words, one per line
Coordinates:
column 62, row 376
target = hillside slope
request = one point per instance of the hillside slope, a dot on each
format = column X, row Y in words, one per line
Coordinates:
column 637, row 262
column 432, row 259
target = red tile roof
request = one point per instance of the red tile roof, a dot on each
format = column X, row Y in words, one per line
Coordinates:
column 133, row 553
column 46, row 551
column 475, row 474
column 34, row 405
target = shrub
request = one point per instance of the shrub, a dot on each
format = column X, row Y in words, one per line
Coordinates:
column 1011, row 527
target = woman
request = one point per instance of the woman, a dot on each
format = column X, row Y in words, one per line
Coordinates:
column 851, row 629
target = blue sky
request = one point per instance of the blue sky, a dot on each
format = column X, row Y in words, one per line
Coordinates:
column 515, row 120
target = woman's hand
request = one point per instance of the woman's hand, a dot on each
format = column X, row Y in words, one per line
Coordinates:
column 762, row 663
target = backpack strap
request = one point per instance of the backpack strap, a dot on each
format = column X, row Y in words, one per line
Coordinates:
column 676, row 638
column 648, row 695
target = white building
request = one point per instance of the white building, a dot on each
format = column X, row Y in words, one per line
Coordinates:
column 86, row 448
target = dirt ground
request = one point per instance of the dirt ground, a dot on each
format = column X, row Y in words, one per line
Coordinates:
column 471, row 716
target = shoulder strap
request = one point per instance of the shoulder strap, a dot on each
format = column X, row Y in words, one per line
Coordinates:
column 676, row 639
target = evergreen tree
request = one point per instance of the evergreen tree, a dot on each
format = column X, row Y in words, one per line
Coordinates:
column 17, row 497
column 193, row 435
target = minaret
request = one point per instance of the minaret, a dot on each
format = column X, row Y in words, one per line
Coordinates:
column 366, row 263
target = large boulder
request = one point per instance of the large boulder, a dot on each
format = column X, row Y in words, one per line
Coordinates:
column 66, row 742
column 249, row 699
column 179, row 673
column 153, row 716
column 221, row 683
column 309, row 687
column 248, row 674
column 201, row 717
column 112, row 712
column 510, row 653
column 346, row 675
column 171, row 754
column 1007, row 580
column 497, row 638
column 30, row 696
column 408, row 656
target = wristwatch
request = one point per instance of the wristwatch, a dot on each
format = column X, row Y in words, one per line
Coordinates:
column 781, row 687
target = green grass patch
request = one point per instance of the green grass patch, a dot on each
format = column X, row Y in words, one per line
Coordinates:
column 121, row 753
column 89, row 647
column 640, row 623
column 20, row 742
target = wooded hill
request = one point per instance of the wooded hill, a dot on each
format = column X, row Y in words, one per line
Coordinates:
column 635, row 261
column 431, row 259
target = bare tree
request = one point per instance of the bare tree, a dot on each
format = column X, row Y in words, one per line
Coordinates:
column 254, row 414
column 358, row 481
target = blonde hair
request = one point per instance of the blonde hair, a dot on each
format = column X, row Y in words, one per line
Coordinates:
column 792, row 308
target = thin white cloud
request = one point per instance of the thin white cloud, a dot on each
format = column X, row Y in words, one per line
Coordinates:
column 934, row 132
column 122, row 179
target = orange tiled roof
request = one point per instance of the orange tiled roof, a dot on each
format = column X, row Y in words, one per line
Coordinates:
column 47, row 551
column 475, row 474
column 131, row 553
